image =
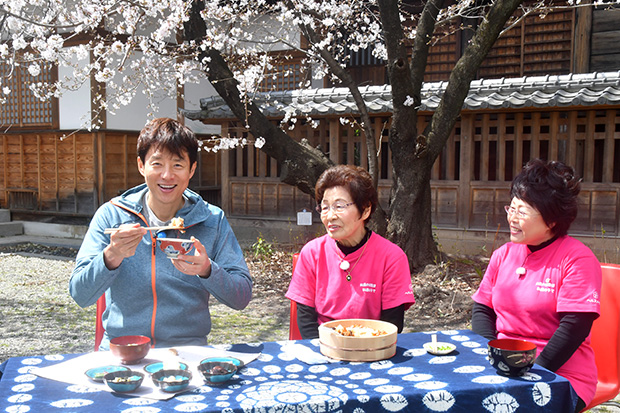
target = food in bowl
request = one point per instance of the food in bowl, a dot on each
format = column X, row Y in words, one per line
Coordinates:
column 172, row 381
column 238, row 363
column 178, row 223
column 130, row 349
column 97, row 373
column 439, row 348
column 217, row 372
column 172, row 247
column 124, row 381
column 358, row 330
column 511, row 357
column 363, row 348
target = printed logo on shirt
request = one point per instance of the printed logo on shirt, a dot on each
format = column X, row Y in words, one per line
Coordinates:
column 545, row 287
column 595, row 298
column 369, row 287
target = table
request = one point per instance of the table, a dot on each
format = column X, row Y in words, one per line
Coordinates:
column 277, row 381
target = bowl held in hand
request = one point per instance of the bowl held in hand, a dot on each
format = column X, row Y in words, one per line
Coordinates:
column 172, row 247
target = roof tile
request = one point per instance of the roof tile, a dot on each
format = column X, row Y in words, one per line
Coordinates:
column 583, row 89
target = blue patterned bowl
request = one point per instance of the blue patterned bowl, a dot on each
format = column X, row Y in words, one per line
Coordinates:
column 217, row 372
column 172, row 380
column 124, row 381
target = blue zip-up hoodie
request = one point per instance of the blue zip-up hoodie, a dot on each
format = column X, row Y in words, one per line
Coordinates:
column 146, row 295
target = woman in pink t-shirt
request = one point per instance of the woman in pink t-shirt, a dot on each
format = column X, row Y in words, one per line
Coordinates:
column 543, row 286
column 350, row 272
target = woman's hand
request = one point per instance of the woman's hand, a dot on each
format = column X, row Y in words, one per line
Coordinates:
column 198, row 264
column 123, row 244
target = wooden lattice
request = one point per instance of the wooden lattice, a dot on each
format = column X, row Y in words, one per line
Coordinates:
column 284, row 76
column 22, row 108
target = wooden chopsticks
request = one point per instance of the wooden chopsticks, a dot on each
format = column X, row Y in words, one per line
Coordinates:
column 113, row 230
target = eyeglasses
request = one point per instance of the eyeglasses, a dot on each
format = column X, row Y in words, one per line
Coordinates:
column 518, row 212
column 337, row 208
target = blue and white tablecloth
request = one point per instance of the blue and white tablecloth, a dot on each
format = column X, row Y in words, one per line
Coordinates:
column 294, row 377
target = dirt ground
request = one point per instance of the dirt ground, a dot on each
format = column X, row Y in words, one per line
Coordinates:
column 442, row 292
column 37, row 315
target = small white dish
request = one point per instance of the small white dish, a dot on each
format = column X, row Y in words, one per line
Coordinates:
column 439, row 348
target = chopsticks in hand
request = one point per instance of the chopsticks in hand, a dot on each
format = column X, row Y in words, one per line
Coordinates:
column 113, row 230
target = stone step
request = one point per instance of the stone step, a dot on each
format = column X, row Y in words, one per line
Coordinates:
column 10, row 229
column 5, row 215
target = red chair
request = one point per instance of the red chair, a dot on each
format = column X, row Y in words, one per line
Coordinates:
column 605, row 337
column 293, row 328
column 99, row 330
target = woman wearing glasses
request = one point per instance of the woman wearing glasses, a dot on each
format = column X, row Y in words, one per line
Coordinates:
column 350, row 272
column 544, row 286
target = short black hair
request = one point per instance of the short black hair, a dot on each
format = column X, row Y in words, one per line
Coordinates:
column 552, row 188
column 169, row 134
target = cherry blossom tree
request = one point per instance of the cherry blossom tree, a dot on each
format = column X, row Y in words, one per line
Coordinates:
column 155, row 46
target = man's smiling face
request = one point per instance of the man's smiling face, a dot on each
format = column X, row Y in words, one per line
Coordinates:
column 167, row 175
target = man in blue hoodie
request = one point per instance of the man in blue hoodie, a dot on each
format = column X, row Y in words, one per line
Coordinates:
column 146, row 292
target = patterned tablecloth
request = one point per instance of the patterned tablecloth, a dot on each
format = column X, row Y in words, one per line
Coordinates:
column 292, row 376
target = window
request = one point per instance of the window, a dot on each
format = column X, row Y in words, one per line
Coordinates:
column 22, row 108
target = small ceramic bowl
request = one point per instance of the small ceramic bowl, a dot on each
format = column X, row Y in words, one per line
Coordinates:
column 124, row 381
column 172, row 380
column 511, row 357
column 217, row 372
column 238, row 363
column 97, row 373
column 439, row 348
column 130, row 349
column 159, row 365
column 172, row 247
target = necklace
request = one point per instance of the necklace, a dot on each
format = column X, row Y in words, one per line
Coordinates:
column 522, row 270
column 346, row 265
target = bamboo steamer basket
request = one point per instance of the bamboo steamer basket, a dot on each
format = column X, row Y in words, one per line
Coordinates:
column 346, row 348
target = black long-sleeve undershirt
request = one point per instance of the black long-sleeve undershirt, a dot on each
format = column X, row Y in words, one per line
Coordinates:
column 574, row 328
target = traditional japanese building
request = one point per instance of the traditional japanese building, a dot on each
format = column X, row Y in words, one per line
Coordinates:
column 549, row 88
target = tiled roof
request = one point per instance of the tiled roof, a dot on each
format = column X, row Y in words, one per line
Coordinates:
column 526, row 92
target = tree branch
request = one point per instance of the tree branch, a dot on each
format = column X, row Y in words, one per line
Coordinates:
column 347, row 80
column 464, row 72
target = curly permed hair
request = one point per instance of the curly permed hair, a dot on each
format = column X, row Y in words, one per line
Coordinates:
column 552, row 188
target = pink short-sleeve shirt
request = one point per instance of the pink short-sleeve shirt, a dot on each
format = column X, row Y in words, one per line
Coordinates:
column 564, row 276
column 380, row 279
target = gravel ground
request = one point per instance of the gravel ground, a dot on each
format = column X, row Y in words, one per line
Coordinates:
column 38, row 316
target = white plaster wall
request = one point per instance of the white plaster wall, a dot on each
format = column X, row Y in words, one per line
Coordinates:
column 136, row 114
column 74, row 106
column 267, row 26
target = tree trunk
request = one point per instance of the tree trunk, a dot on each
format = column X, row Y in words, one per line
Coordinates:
column 413, row 154
column 301, row 165
column 410, row 221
